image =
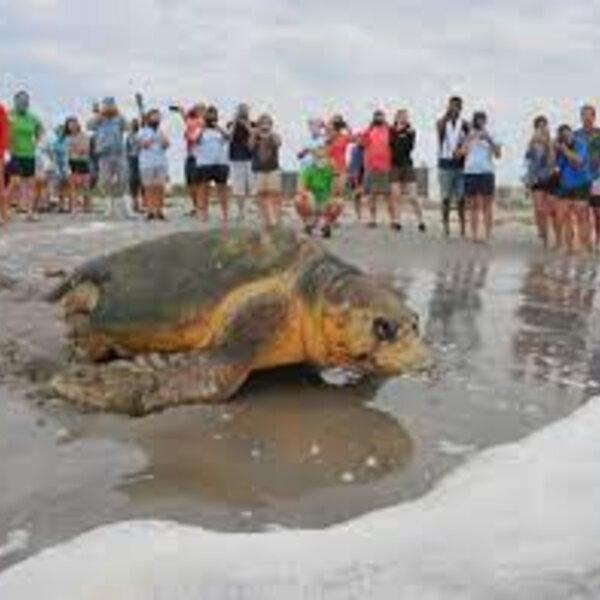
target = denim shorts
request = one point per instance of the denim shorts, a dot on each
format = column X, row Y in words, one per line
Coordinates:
column 451, row 182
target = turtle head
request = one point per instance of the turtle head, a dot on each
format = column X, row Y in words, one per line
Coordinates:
column 367, row 328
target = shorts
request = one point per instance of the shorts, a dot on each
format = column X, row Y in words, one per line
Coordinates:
column 340, row 184
column 451, row 183
column 242, row 178
column 403, row 175
column 111, row 173
column 154, row 176
column 20, row 166
column 595, row 194
column 580, row 193
column 377, row 183
column 217, row 174
column 543, row 186
column 189, row 170
column 479, row 184
column 79, row 167
column 267, row 182
column 407, row 188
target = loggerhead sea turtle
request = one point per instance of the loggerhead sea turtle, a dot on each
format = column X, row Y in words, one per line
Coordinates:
column 187, row 317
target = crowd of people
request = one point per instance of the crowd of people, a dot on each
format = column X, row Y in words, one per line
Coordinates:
column 337, row 165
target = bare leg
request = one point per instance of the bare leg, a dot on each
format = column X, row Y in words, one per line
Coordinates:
column 584, row 226
column 568, row 225
column 487, row 205
column 202, row 201
column 474, row 210
column 223, row 194
column 394, row 205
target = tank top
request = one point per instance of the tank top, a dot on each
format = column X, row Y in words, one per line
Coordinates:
column 265, row 155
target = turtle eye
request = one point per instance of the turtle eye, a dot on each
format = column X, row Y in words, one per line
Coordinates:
column 385, row 330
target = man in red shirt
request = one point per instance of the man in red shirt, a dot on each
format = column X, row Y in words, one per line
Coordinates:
column 378, row 161
column 3, row 148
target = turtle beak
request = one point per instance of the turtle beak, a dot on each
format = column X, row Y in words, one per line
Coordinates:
column 402, row 356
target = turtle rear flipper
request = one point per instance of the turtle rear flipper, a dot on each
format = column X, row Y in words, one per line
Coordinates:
column 211, row 375
column 125, row 387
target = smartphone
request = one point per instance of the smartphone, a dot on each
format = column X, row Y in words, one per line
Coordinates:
column 174, row 108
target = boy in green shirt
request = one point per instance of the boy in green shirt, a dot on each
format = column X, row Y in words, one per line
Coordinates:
column 24, row 132
column 316, row 203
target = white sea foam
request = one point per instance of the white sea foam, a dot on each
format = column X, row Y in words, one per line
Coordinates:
column 517, row 522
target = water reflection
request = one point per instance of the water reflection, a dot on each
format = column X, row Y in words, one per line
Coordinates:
column 279, row 447
column 551, row 342
column 456, row 303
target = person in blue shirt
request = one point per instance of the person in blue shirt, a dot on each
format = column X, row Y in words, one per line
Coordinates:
column 572, row 206
column 590, row 134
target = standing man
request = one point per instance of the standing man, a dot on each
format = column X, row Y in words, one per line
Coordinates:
column 3, row 149
column 109, row 127
column 25, row 131
column 590, row 135
column 240, row 157
column 451, row 131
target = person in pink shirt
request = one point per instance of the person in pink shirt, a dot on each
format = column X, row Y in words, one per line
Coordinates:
column 3, row 148
column 378, row 162
column 339, row 137
column 193, row 120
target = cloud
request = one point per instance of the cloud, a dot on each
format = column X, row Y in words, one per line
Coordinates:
column 299, row 57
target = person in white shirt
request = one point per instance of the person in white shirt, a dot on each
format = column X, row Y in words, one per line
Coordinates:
column 451, row 132
column 479, row 149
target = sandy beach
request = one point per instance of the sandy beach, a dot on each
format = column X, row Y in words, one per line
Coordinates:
column 512, row 328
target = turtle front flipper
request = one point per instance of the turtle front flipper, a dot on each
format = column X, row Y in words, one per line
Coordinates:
column 210, row 375
column 216, row 374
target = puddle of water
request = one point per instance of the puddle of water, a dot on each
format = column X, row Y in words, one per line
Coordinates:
column 517, row 343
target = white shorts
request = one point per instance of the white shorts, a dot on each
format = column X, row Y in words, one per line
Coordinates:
column 241, row 178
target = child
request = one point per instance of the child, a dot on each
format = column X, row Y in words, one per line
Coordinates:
column 265, row 144
column 316, row 203
column 78, row 154
column 153, row 164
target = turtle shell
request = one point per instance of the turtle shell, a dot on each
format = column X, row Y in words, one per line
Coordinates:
column 174, row 279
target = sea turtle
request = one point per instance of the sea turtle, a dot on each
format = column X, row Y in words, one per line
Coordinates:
column 187, row 317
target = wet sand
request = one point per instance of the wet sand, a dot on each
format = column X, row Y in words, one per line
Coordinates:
column 516, row 339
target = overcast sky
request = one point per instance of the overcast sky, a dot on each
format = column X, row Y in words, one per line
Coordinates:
column 514, row 58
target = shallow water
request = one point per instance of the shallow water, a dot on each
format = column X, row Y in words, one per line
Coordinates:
column 516, row 340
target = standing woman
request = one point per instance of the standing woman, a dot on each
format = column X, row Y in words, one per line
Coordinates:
column 265, row 144
column 403, row 179
column 339, row 138
column 480, row 149
column 541, row 162
column 212, row 166
column 573, row 211
column 193, row 121
column 78, row 154
column 25, row 131
column 3, row 149
column 154, row 169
